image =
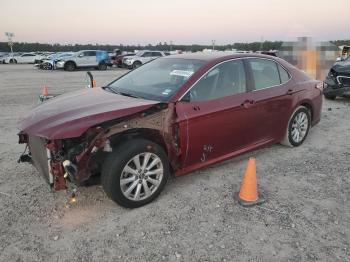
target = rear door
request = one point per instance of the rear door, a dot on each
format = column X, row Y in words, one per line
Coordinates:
column 215, row 116
column 91, row 58
column 272, row 96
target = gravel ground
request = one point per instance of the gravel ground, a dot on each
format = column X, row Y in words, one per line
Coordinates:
column 306, row 217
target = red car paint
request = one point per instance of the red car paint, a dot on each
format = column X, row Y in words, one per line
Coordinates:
column 71, row 114
column 194, row 134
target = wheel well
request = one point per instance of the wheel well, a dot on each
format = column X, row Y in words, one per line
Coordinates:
column 137, row 61
column 146, row 133
column 309, row 107
column 70, row 61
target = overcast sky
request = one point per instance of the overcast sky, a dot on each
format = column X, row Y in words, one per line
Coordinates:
column 179, row 21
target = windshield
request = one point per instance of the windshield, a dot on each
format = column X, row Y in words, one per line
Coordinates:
column 139, row 53
column 158, row 80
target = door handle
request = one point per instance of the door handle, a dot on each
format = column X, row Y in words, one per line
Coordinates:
column 289, row 91
column 196, row 108
column 248, row 103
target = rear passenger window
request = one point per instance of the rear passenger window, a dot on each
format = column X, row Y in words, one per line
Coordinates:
column 283, row 74
column 265, row 73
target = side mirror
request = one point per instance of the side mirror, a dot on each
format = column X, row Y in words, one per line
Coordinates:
column 339, row 59
column 81, row 55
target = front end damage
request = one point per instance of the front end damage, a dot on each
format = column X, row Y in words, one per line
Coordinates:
column 63, row 162
column 337, row 82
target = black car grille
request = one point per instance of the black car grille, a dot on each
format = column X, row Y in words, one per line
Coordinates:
column 39, row 156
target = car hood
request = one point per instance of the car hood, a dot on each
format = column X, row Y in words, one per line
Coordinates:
column 342, row 68
column 71, row 114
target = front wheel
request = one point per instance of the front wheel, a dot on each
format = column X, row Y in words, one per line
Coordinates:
column 136, row 64
column 69, row 66
column 135, row 173
column 298, row 127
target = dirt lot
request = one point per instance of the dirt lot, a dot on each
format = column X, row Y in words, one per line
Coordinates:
column 306, row 218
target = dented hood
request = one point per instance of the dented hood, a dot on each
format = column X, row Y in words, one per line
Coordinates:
column 71, row 114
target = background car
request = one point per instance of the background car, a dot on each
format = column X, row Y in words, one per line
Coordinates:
column 337, row 82
column 118, row 60
column 26, row 58
column 175, row 114
column 84, row 59
column 3, row 57
column 141, row 58
column 49, row 62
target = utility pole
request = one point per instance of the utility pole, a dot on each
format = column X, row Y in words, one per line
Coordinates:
column 213, row 43
column 171, row 45
column 9, row 38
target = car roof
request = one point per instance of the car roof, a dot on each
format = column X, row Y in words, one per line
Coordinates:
column 211, row 56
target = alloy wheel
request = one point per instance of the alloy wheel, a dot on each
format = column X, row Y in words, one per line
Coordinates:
column 141, row 176
column 299, row 127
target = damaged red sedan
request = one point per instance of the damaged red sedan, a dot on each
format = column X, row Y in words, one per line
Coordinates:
column 173, row 115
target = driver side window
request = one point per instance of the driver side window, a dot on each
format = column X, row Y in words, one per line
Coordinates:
column 223, row 80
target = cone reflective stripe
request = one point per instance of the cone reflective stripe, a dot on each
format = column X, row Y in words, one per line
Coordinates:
column 248, row 194
column 45, row 91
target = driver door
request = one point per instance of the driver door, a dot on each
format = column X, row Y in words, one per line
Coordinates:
column 215, row 117
column 83, row 59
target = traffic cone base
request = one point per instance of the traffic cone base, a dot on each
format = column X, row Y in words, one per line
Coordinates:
column 261, row 199
column 248, row 194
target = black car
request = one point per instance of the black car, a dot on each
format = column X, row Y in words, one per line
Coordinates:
column 337, row 82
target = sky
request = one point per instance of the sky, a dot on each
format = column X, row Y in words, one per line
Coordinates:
column 179, row 21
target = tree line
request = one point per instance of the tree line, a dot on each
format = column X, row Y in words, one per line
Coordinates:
column 253, row 46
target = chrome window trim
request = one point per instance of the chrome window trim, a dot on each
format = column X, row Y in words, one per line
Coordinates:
column 238, row 58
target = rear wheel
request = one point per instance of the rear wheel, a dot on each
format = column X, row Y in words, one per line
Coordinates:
column 69, row 66
column 135, row 173
column 13, row 61
column 298, row 127
column 102, row 66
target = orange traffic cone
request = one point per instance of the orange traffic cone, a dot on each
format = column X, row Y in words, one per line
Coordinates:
column 248, row 194
column 93, row 83
column 45, row 91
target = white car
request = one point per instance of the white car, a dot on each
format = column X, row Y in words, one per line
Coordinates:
column 84, row 59
column 26, row 58
column 141, row 58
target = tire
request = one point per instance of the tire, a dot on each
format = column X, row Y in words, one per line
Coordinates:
column 299, row 122
column 69, row 66
column 13, row 61
column 136, row 64
column 102, row 66
column 119, row 165
column 329, row 97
